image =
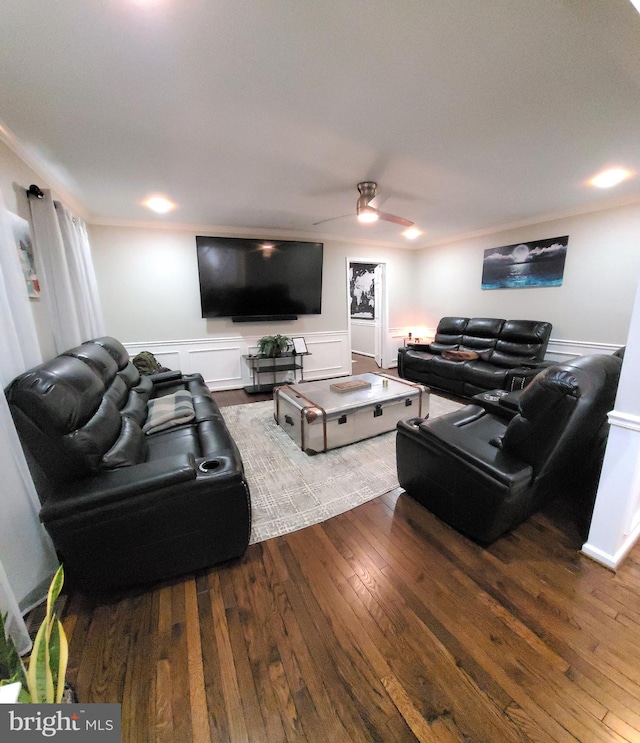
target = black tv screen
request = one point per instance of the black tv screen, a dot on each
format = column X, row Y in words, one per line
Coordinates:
column 255, row 279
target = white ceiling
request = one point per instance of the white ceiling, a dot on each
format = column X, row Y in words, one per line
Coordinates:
column 264, row 114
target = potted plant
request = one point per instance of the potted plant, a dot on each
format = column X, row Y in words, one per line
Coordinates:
column 274, row 345
column 43, row 678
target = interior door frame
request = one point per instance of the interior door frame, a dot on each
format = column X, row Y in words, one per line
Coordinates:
column 381, row 324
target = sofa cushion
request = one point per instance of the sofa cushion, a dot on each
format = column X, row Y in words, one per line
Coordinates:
column 130, row 375
column 483, row 374
column 60, row 395
column 97, row 359
column 114, row 348
column 129, row 448
column 448, row 334
column 89, row 443
column 117, row 392
column 521, row 342
column 136, row 407
column 179, row 440
column 447, row 368
column 481, row 333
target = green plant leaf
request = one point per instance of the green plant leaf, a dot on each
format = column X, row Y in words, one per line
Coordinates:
column 54, row 590
column 39, row 676
column 61, row 661
column 11, row 666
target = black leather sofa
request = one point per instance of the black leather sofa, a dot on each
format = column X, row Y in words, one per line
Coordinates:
column 484, row 473
column 510, row 353
column 124, row 507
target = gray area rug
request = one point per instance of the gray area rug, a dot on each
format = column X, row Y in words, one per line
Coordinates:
column 291, row 490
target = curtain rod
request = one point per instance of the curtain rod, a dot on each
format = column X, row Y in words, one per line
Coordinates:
column 36, row 191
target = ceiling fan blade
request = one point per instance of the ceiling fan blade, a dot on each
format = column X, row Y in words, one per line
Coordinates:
column 393, row 218
column 330, row 219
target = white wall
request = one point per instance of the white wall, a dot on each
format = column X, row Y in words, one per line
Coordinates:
column 148, row 283
column 594, row 303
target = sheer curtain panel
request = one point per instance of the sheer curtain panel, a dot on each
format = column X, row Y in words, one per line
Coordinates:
column 27, row 558
column 67, row 277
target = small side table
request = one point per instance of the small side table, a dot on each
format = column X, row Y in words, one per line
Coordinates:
column 272, row 366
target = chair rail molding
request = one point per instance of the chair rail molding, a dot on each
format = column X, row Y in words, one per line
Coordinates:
column 564, row 350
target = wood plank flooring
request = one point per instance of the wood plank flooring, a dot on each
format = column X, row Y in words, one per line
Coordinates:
column 381, row 624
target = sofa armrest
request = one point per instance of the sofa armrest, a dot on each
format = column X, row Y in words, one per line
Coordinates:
column 501, row 403
column 115, row 485
column 446, row 438
column 418, row 346
column 159, row 378
column 518, row 377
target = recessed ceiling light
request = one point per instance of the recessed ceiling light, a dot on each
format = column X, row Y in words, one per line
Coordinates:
column 159, row 204
column 609, row 178
column 411, row 233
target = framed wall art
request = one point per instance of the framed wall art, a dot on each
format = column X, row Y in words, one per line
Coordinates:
column 362, row 290
column 531, row 264
column 24, row 245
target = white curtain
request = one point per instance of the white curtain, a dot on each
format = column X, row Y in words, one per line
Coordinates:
column 27, row 558
column 66, row 271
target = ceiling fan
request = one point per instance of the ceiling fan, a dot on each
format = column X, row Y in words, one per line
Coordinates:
column 367, row 213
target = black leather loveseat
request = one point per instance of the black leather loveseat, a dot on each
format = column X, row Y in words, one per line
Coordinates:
column 483, row 474
column 509, row 354
column 124, row 507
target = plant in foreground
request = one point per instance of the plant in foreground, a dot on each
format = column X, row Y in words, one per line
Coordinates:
column 43, row 677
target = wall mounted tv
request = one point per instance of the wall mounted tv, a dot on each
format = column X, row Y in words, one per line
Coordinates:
column 253, row 279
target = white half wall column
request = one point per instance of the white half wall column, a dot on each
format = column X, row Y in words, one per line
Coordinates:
column 615, row 525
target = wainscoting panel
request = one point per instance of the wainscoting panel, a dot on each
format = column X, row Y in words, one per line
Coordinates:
column 220, row 361
column 218, row 365
column 565, row 350
column 170, row 359
column 363, row 336
column 330, row 356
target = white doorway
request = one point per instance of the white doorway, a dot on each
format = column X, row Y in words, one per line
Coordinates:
column 367, row 308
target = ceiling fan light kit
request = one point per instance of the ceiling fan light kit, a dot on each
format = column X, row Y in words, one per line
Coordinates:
column 367, row 213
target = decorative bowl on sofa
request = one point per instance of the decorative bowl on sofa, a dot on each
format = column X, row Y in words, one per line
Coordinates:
column 124, row 507
column 509, row 354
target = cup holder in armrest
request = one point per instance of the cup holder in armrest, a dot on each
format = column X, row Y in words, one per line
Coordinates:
column 209, row 465
column 415, row 422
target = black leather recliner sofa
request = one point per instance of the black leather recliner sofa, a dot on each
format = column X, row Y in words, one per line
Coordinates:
column 123, row 507
column 510, row 353
column 484, row 474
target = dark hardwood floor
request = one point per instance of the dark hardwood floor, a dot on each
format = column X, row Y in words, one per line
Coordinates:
column 381, row 624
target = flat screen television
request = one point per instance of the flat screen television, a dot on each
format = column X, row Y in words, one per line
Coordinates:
column 253, row 279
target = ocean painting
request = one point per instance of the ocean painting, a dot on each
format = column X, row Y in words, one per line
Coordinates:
column 525, row 265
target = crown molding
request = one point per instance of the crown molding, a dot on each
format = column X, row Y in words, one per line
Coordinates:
column 601, row 206
column 225, row 231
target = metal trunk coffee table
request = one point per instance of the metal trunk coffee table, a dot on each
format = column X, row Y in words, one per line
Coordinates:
column 335, row 412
